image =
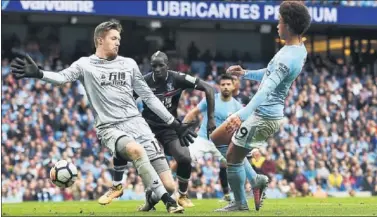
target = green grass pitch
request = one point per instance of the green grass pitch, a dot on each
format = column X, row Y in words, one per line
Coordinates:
column 283, row 207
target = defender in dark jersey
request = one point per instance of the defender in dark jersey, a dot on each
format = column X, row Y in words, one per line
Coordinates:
column 168, row 86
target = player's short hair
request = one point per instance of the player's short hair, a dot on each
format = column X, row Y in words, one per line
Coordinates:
column 226, row 77
column 160, row 54
column 296, row 15
column 104, row 27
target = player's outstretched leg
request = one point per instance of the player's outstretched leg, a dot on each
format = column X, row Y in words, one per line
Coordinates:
column 117, row 189
column 129, row 149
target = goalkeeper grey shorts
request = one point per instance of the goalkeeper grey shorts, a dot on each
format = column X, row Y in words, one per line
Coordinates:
column 135, row 129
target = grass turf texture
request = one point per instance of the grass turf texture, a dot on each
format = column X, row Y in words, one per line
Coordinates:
column 283, row 207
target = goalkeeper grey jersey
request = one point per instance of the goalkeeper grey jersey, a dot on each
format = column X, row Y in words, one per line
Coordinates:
column 109, row 86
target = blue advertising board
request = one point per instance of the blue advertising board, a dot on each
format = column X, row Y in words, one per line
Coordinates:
column 204, row 10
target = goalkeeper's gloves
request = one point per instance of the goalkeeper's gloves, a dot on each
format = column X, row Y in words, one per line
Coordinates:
column 25, row 67
column 184, row 131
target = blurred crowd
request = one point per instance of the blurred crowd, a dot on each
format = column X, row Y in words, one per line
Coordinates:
column 328, row 143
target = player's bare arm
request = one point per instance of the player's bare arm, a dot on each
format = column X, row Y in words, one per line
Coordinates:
column 210, row 97
column 191, row 115
column 254, row 75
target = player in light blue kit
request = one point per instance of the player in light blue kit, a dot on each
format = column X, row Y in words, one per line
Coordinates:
column 225, row 105
column 262, row 116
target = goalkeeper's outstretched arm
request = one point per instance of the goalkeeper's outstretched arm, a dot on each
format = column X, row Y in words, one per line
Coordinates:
column 69, row 74
column 25, row 67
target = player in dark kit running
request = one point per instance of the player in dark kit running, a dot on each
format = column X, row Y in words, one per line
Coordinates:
column 168, row 86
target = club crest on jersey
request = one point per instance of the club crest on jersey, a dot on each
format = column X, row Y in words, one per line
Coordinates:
column 169, row 86
column 122, row 65
column 113, row 78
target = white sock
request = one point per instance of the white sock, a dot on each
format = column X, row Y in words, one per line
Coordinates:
column 116, row 183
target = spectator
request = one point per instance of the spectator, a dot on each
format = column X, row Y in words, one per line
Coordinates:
column 300, row 181
column 322, row 172
column 182, row 66
column 268, row 167
column 192, row 52
column 335, row 179
column 290, row 174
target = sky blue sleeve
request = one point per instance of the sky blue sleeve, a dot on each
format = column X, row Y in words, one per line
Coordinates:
column 202, row 106
column 254, row 75
column 282, row 70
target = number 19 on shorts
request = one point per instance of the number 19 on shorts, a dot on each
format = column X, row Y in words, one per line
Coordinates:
column 241, row 133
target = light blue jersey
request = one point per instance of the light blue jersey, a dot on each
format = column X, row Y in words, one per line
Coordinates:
column 276, row 81
column 222, row 111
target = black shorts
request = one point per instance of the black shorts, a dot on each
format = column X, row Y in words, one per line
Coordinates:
column 165, row 136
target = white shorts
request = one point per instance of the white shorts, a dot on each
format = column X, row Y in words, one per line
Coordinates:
column 201, row 146
column 255, row 131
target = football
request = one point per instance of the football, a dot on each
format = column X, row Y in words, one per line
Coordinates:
column 63, row 174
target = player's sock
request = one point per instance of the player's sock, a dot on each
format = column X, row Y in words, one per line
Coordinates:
column 118, row 177
column 224, row 180
column 250, row 172
column 166, row 198
column 182, row 185
column 183, row 176
column 119, row 168
column 149, row 176
column 237, row 178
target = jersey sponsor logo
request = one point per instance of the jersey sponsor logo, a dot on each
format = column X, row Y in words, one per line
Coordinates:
column 114, row 78
column 168, row 102
column 283, row 69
